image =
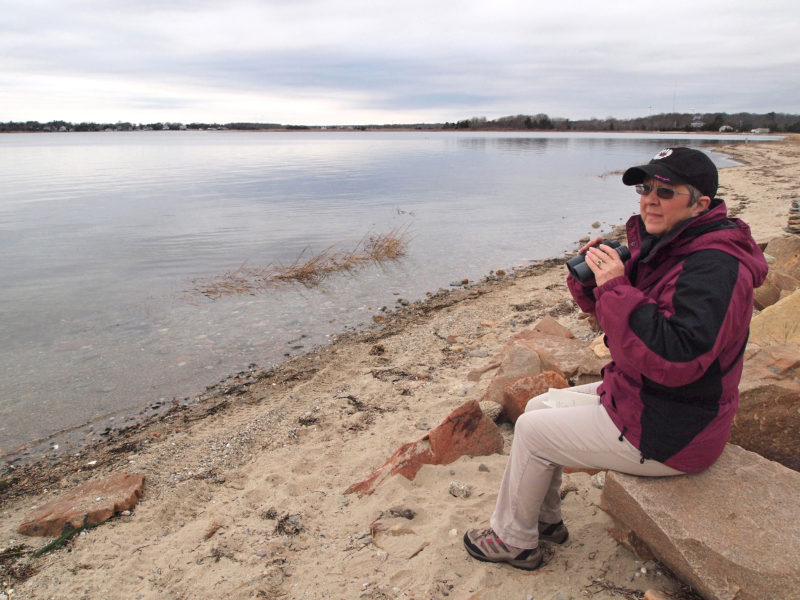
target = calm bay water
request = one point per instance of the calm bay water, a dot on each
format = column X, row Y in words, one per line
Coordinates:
column 104, row 236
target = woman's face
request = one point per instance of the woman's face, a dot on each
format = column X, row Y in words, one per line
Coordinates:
column 660, row 215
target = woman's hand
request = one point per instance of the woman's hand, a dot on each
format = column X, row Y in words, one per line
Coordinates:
column 588, row 245
column 604, row 262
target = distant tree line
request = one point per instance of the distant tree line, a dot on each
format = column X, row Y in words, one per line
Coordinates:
column 36, row 126
column 775, row 122
column 779, row 122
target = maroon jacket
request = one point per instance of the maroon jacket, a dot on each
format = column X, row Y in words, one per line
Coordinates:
column 676, row 324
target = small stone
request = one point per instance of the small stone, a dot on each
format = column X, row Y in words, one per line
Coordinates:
column 400, row 530
column 599, row 480
column 399, row 511
column 483, row 468
column 453, row 532
column 460, row 490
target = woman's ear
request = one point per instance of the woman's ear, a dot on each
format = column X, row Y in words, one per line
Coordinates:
column 701, row 206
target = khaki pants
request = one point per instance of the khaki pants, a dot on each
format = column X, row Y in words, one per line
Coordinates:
column 547, row 439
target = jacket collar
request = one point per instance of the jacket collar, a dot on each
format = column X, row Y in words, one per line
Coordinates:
column 713, row 219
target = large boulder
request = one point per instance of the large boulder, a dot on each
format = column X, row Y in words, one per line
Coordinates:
column 783, row 281
column 766, row 295
column 88, row 504
column 731, row 532
column 779, row 323
column 768, row 419
column 786, row 252
column 572, row 358
column 465, row 431
column 783, row 277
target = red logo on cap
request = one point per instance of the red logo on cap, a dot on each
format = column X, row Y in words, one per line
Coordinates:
column 663, row 154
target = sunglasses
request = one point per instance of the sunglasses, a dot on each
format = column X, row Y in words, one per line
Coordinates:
column 665, row 193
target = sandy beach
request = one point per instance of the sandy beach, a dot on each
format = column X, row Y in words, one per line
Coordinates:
column 245, row 492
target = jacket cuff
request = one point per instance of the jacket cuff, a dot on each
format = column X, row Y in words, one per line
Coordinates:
column 610, row 285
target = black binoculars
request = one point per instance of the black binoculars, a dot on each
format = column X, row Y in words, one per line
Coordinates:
column 580, row 270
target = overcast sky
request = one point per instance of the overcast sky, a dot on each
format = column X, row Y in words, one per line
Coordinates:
column 320, row 62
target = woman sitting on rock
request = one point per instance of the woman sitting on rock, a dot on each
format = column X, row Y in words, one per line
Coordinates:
column 676, row 318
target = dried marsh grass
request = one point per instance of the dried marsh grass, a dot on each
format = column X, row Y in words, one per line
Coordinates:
column 373, row 248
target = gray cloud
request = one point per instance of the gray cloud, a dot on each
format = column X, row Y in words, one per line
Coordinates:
column 351, row 61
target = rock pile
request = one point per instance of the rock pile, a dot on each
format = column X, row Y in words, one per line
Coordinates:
column 793, row 223
column 768, row 419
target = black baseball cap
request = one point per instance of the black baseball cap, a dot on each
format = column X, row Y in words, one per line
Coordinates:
column 677, row 166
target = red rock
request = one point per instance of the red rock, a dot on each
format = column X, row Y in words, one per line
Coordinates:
column 88, row 504
column 517, row 359
column 466, row 431
column 530, row 352
column 517, row 393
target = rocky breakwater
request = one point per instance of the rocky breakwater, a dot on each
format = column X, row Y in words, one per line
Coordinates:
column 768, row 419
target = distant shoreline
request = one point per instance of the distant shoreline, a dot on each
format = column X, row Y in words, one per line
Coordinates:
column 716, row 122
column 775, row 135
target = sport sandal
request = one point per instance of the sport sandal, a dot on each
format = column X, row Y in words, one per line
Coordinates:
column 484, row 545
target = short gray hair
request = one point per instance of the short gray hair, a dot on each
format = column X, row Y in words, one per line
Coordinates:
column 694, row 194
